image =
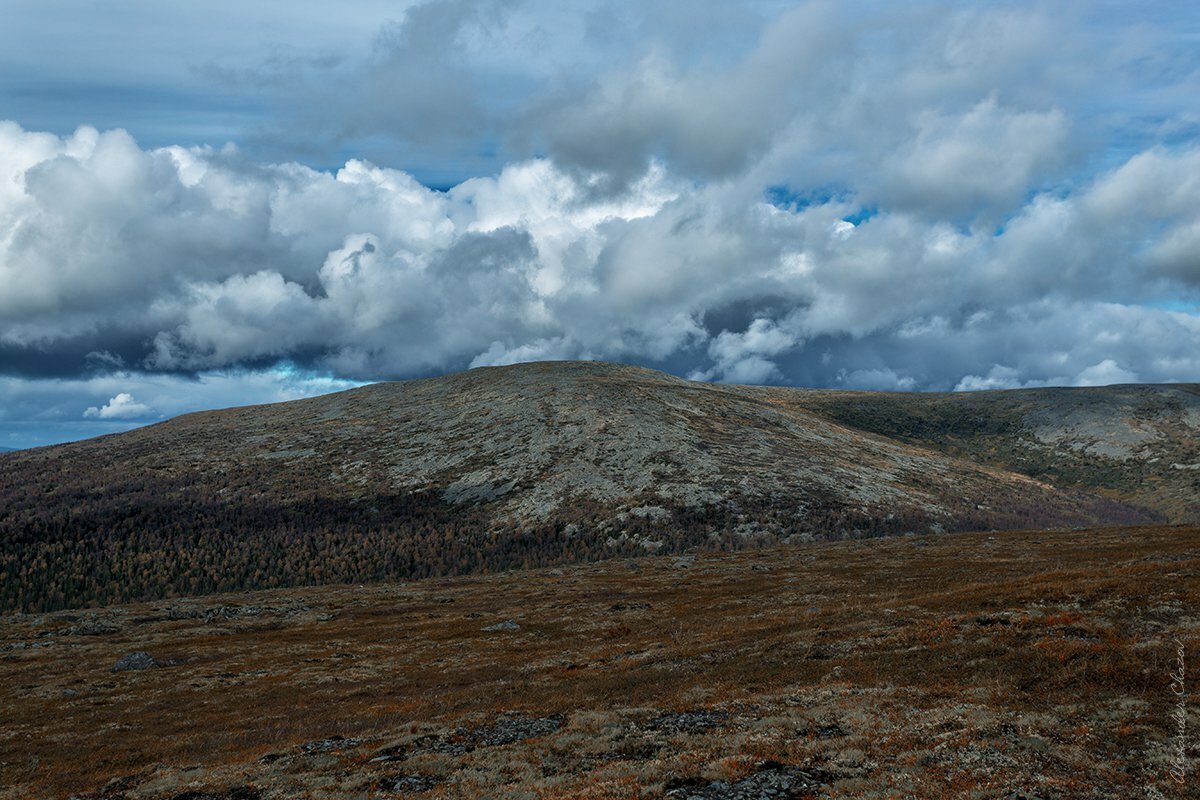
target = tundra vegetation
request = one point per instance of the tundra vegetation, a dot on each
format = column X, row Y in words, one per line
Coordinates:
column 1021, row 664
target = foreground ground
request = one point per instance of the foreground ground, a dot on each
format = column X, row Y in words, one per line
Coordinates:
column 1028, row 664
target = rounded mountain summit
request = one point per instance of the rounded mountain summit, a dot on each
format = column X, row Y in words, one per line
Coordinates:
column 552, row 462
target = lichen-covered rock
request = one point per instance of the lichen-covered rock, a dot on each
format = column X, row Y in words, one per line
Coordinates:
column 407, row 783
column 507, row 625
column 773, row 782
column 688, row 721
column 509, row 729
column 135, row 661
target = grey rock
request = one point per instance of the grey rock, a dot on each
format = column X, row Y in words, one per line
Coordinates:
column 331, row 744
column 135, row 661
column 407, row 783
column 507, row 625
column 687, row 721
column 508, row 730
column 773, row 782
column 455, row 744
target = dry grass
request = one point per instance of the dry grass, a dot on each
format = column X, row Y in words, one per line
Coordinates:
column 944, row 667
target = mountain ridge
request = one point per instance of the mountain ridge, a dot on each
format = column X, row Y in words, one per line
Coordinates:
column 554, row 462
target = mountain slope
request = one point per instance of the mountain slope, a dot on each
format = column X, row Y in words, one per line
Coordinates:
column 489, row 469
column 1137, row 443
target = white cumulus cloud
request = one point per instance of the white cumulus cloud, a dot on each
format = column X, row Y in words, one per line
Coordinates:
column 121, row 406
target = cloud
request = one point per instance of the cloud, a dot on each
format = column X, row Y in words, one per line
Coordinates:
column 984, row 160
column 745, row 357
column 1106, row 373
column 122, row 406
column 920, row 106
column 998, row 377
column 916, row 196
column 186, row 260
column 414, row 84
column 878, row 380
column 44, row 411
column 710, row 121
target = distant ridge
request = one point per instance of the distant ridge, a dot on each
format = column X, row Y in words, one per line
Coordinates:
column 553, row 462
column 1139, row 443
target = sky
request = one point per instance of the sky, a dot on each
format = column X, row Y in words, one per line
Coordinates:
column 213, row 204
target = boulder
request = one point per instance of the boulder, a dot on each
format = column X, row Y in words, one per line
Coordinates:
column 139, row 660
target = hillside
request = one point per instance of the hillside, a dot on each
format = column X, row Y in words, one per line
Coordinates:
column 1024, row 665
column 522, row 466
column 1137, row 443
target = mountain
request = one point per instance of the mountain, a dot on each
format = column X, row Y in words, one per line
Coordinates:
column 556, row 462
column 1140, row 444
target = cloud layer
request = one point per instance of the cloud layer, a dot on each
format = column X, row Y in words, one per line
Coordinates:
column 177, row 260
column 903, row 197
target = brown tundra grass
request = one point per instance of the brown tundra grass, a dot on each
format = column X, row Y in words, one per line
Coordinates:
column 972, row 665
